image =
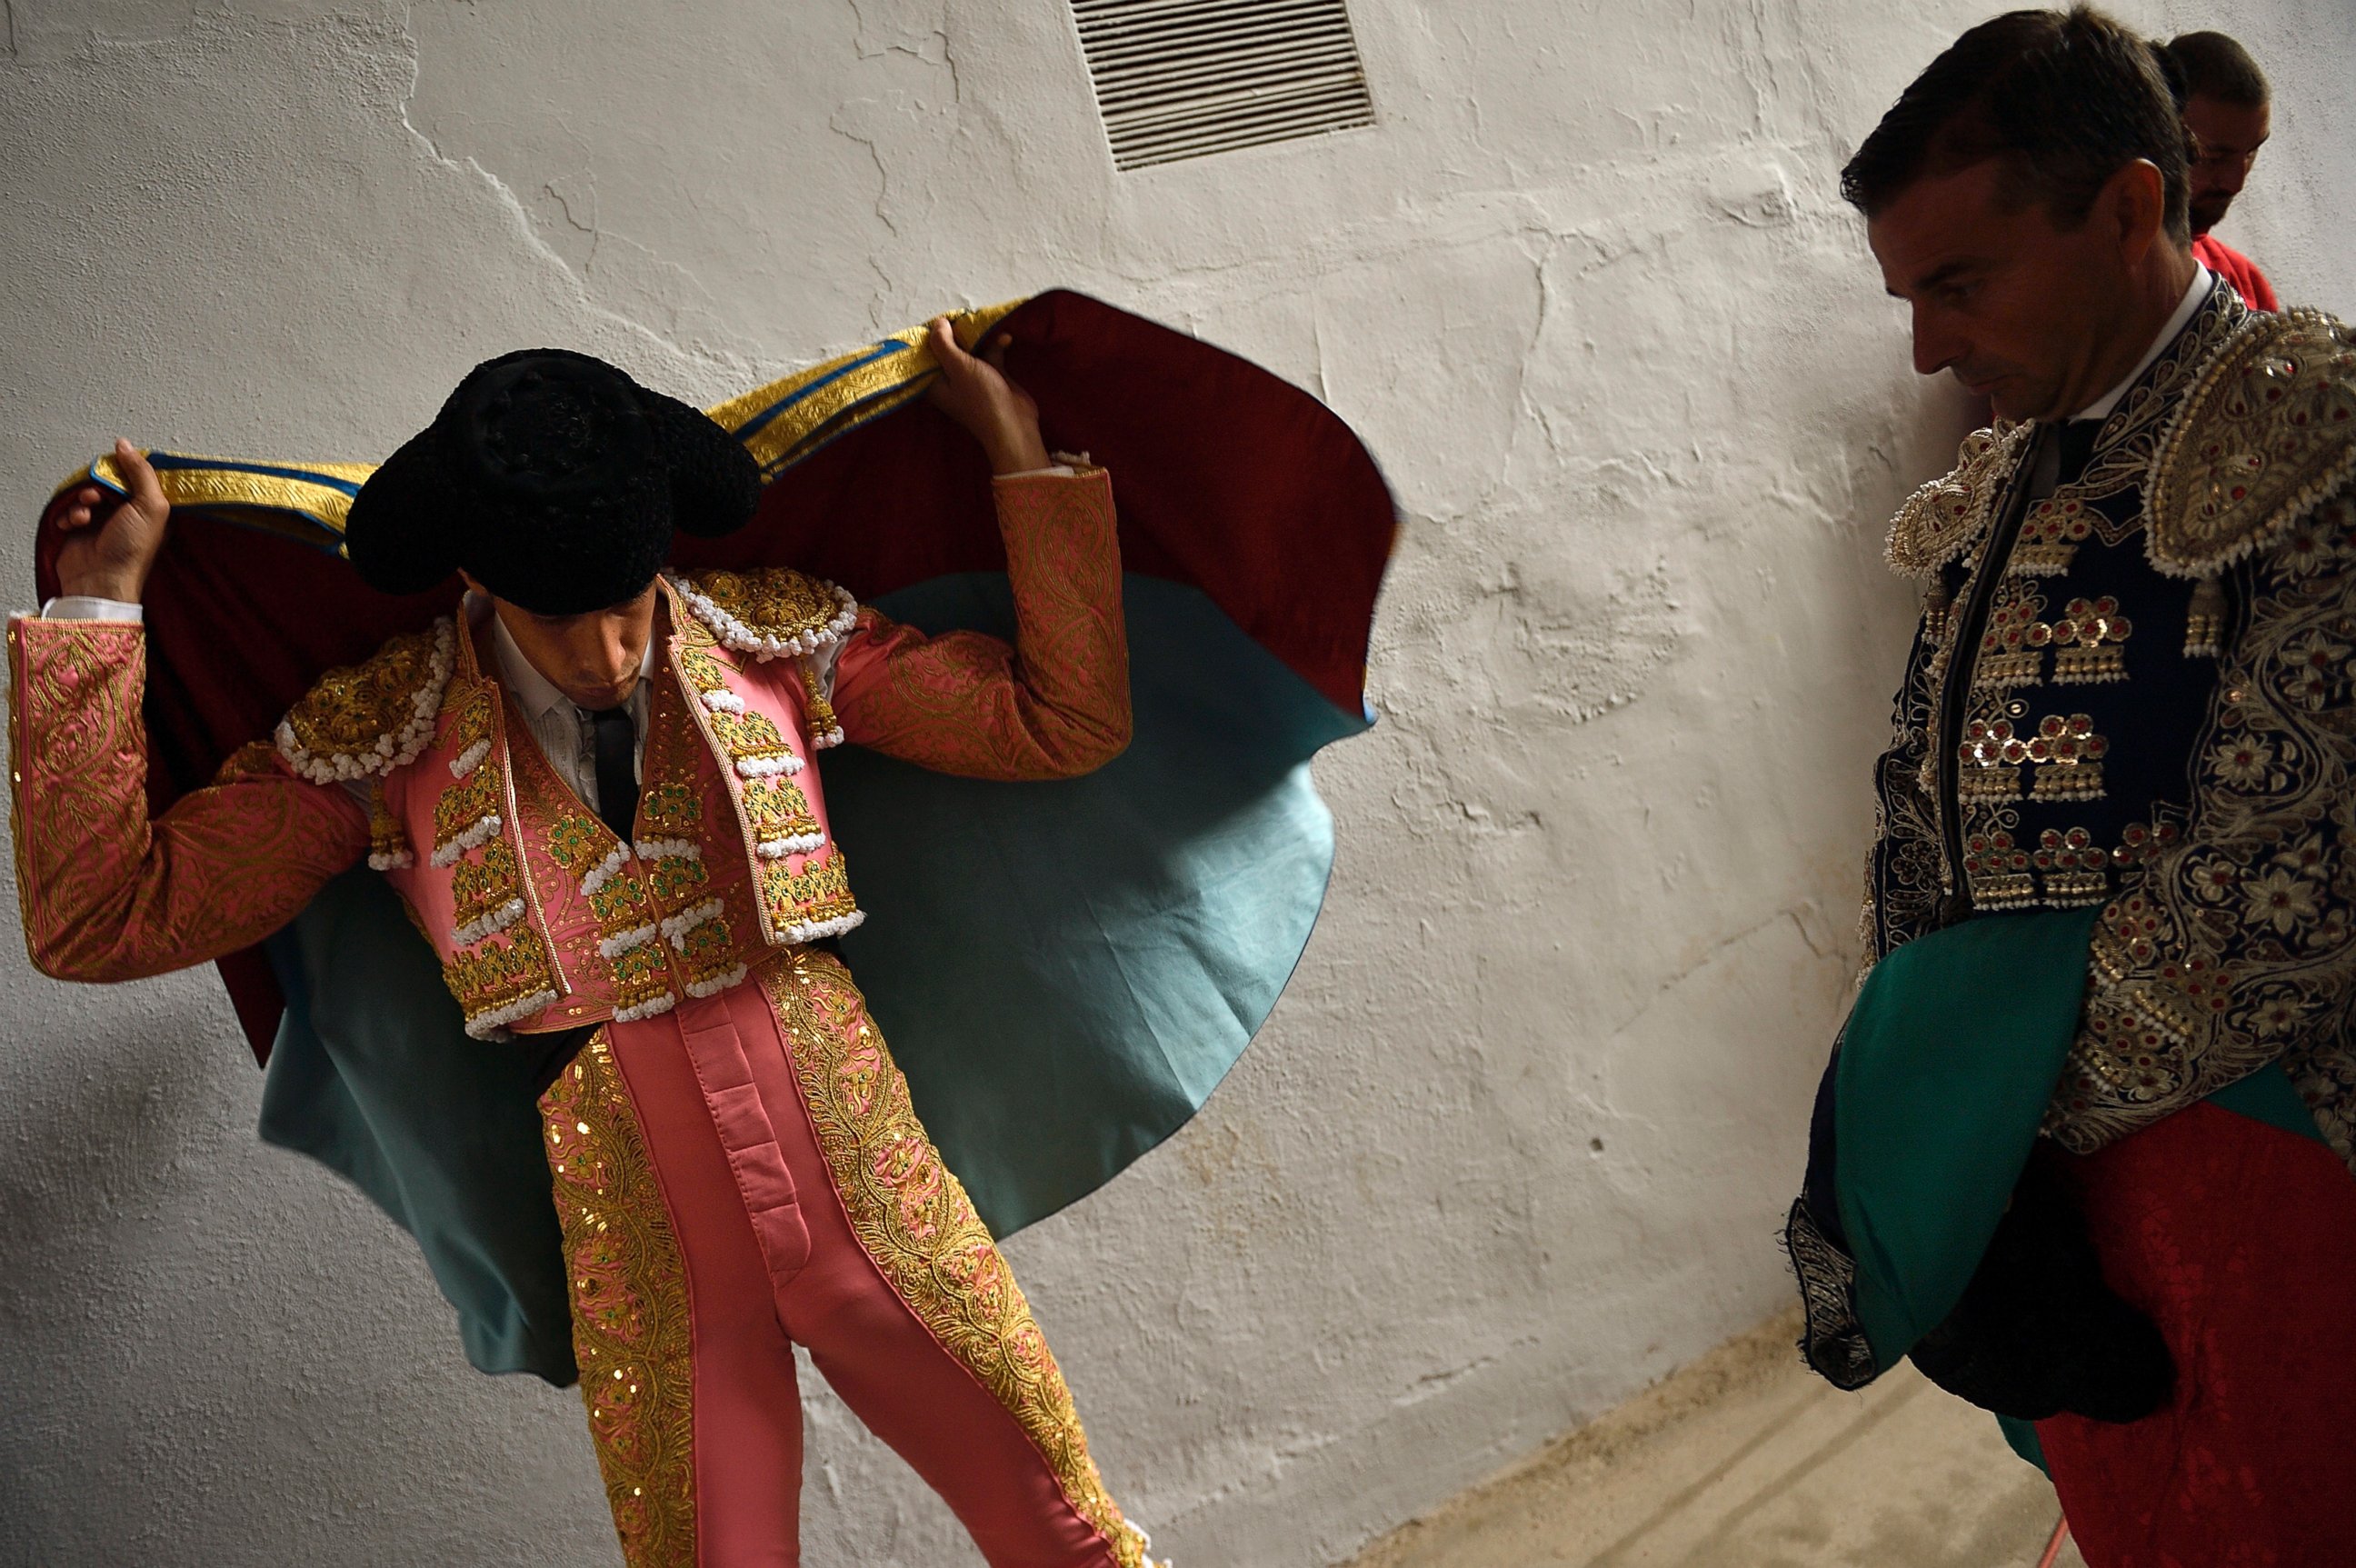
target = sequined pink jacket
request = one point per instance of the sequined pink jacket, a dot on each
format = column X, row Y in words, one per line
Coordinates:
column 542, row 918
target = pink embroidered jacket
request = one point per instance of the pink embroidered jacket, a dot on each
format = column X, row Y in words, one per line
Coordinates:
column 543, row 919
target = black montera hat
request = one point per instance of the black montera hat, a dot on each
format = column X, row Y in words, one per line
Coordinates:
column 555, row 480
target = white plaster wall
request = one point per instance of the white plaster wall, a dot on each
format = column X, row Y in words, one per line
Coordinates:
column 1517, row 1139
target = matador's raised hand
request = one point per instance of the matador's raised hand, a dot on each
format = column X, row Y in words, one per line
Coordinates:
column 112, row 540
column 975, row 393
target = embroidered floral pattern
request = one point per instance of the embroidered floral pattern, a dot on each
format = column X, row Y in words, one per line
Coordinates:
column 1946, row 517
column 914, row 1220
column 466, row 815
column 501, row 981
column 813, row 903
column 753, row 745
column 631, row 1331
column 2087, row 642
column 2049, row 537
column 671, row 810
column 2237, row 943
column 473, row 726
column 778, row 815
column 107, row 894
column 1052, row 707
column 487, row 892
column 2265, row 434
column 694, row 924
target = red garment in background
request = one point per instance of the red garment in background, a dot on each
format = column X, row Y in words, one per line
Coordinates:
column 2238, row 269
column 2240, row 1240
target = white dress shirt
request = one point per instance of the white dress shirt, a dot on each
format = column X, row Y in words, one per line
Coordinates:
column 561, row 728
column 2185, row 310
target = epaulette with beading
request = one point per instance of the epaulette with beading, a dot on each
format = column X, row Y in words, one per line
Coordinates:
column 370, row 718
column 1945, row 518
column 2266, row 434
column 770, row 613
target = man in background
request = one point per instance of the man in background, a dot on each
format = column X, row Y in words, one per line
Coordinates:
column 2228, row 108
column 2084, row 1149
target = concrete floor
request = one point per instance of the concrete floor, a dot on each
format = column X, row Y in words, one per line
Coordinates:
column 1744, row 1459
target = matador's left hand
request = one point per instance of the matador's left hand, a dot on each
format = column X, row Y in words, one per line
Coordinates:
column 974, row 392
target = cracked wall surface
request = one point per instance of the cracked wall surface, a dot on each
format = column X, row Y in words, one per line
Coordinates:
column 1518, row 1137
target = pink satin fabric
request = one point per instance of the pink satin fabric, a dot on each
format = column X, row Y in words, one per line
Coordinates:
column 772, row 1262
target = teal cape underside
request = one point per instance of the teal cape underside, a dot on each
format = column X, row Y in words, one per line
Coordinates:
column 1064, row 970
column 1946, row 1065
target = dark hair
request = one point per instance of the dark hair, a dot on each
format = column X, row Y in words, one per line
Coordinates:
column 2064, row 99
column 2211, row 65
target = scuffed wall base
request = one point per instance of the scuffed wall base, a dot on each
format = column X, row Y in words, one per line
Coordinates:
column 1745, row 1459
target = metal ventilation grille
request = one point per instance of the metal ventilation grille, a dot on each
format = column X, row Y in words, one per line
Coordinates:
column 1181, row 79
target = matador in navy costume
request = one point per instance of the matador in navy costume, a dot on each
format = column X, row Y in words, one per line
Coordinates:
column 2085, row 1148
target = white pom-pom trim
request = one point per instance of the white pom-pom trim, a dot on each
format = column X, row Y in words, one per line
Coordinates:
column 799, row 843
column 490, row 1025
column 391, row 750
column 677, row 926
column 723, row 701
column 669, row 848
column 761, row 645
column 717, row 984
column 498, row 919
column 818, row 930
column 635, row 937
column 823, row 740
column 466, row 761
column 483, row 831
column 763, row 767
column 399, row 859
column 604, row 871
column 647, row 1009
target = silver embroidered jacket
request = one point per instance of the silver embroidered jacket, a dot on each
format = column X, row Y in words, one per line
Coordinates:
column 2154, row 714
column 2140, row 701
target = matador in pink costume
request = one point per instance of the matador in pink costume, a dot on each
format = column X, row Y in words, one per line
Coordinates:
column 594, row 789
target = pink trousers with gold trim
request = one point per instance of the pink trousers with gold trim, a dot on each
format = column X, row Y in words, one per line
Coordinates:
column 745, row 1173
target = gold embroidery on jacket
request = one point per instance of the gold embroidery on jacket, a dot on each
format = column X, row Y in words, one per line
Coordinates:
column 486, row 890
column 630, row 1324
column 2236, row 945
column 771, row 613
column 671, row 809
column 808, row 900
column 466, row 814
column 694, row 924
column 753, row 745
column 374, row 716
column 501, row 980
column 2265, row 435
column 775, row 808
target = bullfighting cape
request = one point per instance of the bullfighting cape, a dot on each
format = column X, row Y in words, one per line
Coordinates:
column 1066, row 970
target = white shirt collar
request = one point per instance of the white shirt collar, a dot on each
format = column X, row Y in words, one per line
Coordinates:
column 532, row 691
column 2186, row 308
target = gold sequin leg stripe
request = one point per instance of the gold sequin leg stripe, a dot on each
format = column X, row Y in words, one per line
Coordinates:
column 630, row 1324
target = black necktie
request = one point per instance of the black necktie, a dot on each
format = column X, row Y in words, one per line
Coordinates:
column 2077, row 448
column 617, row 769
column 2061, row 454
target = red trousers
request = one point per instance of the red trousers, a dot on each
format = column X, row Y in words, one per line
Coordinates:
column 746, row 1174
column 2240, row 1240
